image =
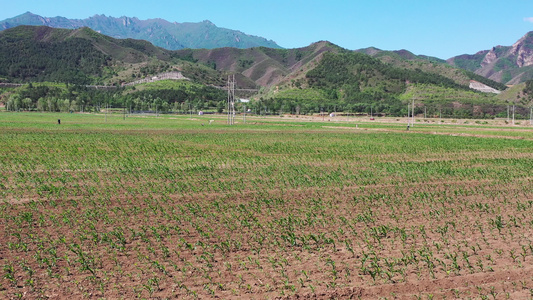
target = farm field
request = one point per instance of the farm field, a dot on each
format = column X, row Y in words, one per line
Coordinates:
column 172, row 207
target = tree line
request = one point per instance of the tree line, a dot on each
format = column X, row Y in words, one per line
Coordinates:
column 81, row 98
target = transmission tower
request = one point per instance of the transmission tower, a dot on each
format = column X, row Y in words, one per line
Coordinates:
column 231, row 99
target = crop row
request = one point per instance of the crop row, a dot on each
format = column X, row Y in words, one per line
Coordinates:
column 262, row 212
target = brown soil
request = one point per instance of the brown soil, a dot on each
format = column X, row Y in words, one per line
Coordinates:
column 454, row 237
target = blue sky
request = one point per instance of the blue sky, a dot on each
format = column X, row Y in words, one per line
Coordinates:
column 430, row 27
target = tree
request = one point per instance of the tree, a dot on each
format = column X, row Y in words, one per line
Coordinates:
column 64, row 105
column 41, row 104
column 27, row 103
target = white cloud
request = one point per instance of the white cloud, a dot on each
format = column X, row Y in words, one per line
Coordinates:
column 530, row 19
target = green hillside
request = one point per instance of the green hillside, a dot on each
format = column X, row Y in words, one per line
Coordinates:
column 319, row 78
column 325, row 77
column 81, row 56
column 406, row 59
column 355, row 82
column 260, row 66
column 506, row 64
column 469, row 62
column 43, row 54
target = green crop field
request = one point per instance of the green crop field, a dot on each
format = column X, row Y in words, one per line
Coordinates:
column 175, row 207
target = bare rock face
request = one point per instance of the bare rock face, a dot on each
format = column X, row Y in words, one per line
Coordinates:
column 523, row 51
column 504, row 64
column 490, row 57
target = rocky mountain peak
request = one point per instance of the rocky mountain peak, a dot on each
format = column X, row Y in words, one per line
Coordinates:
column 490, row 57
column 505, row 64
column 160, row 32
column 523, row 49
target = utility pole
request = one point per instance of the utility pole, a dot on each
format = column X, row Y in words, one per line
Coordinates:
column 413, row 114
column 514, row 108
column 408, row 114
column 231, row 100
column 507, row 113
column 244, row 115
column 106, row 105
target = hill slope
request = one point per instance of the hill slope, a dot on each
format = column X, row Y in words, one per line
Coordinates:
column 260, row 66
column 159, row 32
column 320, row 77
column 406, row 59
column 40, row 53
column 342, row 80
column 505, row 64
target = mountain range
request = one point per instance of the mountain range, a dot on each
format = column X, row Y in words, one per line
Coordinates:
column 304, row 80
column 162, row 33
column 504, row 64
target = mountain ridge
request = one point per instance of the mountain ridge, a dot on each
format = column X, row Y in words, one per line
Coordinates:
column 160, row 32
column 506, row 64
column 302, row 80
column 256, row 67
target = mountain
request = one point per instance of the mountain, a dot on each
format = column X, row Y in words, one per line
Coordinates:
column 260, row 66
column 265, row 67
column 83, row 56
column 325, row 76
column 321, row 76
column 161, row 33
column 63, row 65
column 399, row 54
column 356, row 82
column 505, row 64
column 408, row 60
